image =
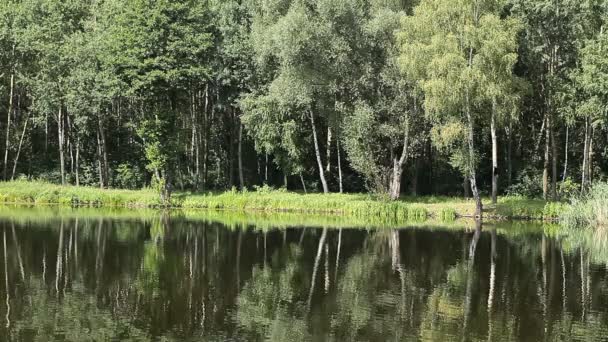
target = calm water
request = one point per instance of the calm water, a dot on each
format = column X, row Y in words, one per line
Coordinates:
column 169, row 279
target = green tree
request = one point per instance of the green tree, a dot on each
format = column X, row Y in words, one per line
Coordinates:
column 454, row 40
column 158, row 50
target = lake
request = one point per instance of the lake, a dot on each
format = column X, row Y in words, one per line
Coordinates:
column 86, row 275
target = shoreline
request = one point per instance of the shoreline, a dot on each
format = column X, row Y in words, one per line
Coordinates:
column 32, row 193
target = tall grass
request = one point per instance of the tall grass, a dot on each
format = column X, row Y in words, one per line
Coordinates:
column 267, row 199
column 588, row 211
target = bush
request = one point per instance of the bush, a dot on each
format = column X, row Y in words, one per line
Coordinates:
column 128, row 176
column 53, row 177
column 528, row 184
column 569, row 188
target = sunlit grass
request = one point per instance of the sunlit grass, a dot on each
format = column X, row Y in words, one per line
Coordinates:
column 266, row 199
column 590, row 210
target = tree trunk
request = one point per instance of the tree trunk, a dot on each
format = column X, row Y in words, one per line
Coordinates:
column 8, row 125
column 103, row 154
column 329, row 136
column 472, row 168
column 303, row 183
column 318, row 153
column 546, row 160
column 494, row 156
column 565, row 173
column 240, row 157
column 395, row 188
column 510, row 154
column 590, row 158
column 100, row 162
column 207, row 121
column 27, row 120
column 231, row 151
column 339, row 164
column 78, row 161
column 266, row 168
column 60, row 131
column 553, row 161
column 584, row 177
column 194, row 138
column 69, row 143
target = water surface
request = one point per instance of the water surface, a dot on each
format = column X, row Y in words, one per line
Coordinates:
column 165, row 277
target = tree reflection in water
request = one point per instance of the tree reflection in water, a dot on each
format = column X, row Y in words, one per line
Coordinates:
column 168, row 278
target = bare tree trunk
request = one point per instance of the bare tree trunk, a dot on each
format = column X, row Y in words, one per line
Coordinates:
column 584, row 177
column 61, row 129
column 207, row 121
column 100, row 162
column 231, row 151
column 339, row 164
column 266, row 168
column 104, row 153
column 540, row 136
column 510, row 154
column 472, row 168
column 16, row 160
column 546, row 161
column 240, row 157
column 553, row 161
column 78, row 161
column 8, row 125
column 395, row 188
column 69, row 143
column 303, row 183
column 318, row 153
column 494, row 155
column 329, row 136
column 565, row 173
column 590, row 158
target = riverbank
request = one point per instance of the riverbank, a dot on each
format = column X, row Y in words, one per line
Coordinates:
column 410, row 208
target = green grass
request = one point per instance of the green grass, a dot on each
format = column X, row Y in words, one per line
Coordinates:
column 354, row 205
column 588, row 211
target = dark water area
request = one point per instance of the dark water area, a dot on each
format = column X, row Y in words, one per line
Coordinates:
column 171, row 279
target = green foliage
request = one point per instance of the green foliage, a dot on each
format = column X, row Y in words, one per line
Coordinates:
column 128, row 176
column 588, row 211
column 528, row 184
column 181, row 91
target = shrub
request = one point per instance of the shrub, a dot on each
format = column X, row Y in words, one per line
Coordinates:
column 528, row 184
column 569, row 188
column 129, row 176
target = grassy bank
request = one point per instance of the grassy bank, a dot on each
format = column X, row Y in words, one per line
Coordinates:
column 588, row 211
column 358, row 205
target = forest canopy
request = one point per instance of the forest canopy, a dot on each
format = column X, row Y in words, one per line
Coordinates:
column 427, row 97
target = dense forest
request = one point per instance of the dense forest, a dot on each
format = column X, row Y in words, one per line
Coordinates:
column 451, row 97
